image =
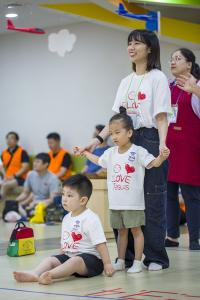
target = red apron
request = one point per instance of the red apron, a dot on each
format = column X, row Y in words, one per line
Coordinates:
column 183, row 140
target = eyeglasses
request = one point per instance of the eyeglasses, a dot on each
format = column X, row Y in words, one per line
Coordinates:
column 176, row 59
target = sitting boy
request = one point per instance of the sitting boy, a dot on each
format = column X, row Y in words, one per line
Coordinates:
column 40, row 185
column 83, row 244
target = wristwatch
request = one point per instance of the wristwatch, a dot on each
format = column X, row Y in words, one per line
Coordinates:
column 99, row 138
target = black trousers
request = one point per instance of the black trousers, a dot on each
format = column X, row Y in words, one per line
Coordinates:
column 191, row 196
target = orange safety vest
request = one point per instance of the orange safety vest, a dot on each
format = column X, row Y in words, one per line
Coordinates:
column 56, row 163
column 14, row 162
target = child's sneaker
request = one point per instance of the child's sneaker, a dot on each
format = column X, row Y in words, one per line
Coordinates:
column 136, row 267
column 119, row 265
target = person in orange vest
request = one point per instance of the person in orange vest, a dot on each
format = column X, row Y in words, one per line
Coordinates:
column 2, row 171
column 60, row 163
column 16, row 164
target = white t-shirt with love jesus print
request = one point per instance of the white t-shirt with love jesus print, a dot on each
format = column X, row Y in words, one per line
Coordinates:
column 81, row 234
column 125, row 177
column 144, row 96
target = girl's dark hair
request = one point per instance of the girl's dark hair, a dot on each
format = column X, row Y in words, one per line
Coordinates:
column 190, row 57
column 150, row 39
column 125, row 119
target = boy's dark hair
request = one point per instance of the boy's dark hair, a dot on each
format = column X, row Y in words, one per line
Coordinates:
column 125, row 119
column 13, row 133
column 150, row 39
column 81, row 184
column 44, row 157
column 54, row 136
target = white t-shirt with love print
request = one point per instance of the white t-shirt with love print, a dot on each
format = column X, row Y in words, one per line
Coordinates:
column 144, row 96
column 125, row 177
column 81, row 234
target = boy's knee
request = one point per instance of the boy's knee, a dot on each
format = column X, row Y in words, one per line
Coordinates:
column 49, row 260
column 77, row 261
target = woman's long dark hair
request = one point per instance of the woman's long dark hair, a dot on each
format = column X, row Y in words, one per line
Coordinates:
column 190, row 57
column 150, row 39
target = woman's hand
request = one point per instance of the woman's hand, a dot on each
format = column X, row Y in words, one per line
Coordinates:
column 163, row 149
column 79, row 151
column 90, row 147
column 94, row 142
column 186, row 82
column 164, row 154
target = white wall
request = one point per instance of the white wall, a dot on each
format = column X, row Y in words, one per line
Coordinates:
column 42, row 92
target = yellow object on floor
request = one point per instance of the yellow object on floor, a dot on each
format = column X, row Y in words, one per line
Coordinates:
column 39, row 214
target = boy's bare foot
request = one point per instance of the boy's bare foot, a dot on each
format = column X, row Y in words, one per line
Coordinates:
column 25, row 277
column 45, row 278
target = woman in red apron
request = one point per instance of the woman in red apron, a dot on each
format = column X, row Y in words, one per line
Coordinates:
column 183, row 141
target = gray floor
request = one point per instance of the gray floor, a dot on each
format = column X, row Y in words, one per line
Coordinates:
column 180, row 281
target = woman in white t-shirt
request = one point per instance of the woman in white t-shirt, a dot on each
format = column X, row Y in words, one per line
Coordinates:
column 125, row 166
column 145, row 94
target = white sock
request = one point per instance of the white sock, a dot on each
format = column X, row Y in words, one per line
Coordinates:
column 119, row 265
column 120, row 260
column 136, row 267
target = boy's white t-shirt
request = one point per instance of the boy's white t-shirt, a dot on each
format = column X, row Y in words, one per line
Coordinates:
column 144, row 96
column 125, row 177
column 81, row 234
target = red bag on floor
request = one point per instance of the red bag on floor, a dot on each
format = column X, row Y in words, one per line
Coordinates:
column 21, row 241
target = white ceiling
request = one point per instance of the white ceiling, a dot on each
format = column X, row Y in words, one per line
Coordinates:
column 30, row 14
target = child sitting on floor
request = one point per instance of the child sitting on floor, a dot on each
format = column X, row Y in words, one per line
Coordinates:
column 83, row 244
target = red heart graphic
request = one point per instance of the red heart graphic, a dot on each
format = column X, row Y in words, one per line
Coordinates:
column 76, row 236
column 129, row 169
column 141, row 96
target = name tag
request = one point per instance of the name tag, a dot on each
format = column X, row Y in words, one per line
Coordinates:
column 174, row 113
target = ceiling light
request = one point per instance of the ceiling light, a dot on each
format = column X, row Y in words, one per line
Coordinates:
column 11, row 15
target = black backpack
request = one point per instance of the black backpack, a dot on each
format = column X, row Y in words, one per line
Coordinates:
column 55, row 213
column 10, row 205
